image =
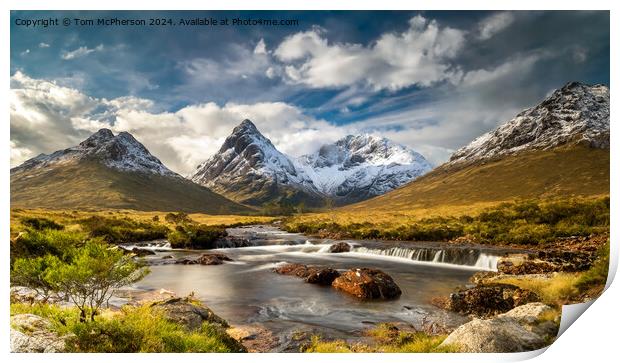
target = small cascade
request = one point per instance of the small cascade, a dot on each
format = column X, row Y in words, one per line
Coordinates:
column 452, row 256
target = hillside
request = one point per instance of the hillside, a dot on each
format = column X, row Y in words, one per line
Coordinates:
column 572, row 171
column 107, row 171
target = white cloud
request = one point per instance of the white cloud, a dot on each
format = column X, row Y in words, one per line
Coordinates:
column 421, row 55
column 25, row 53
column 43, row 45
column 518, row 65
column 494, row 24
column 261, row 47
column 80, row 52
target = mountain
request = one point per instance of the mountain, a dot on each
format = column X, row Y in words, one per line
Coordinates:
column 108, row 171
column 558, row 148
column 249, row 169
column 576, row 113
column 359, row 167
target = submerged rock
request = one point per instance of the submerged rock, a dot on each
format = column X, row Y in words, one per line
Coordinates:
column 188, row 313
column 339, row 247
column 206, row 259
column 490, row 299
column 32, row 334
column 310, row 274
column 366, row 283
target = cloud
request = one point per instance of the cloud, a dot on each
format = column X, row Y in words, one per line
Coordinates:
column 518, row 65
column 46, row 117
column 43, row 45
column 420, row 56
column 25, row 53
column 494, row 24
column 80, row 52
column 261, row 47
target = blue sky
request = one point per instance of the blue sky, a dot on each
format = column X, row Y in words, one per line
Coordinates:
column 430, row 80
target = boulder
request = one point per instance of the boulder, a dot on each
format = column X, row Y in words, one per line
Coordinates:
column 498, row 335
column 140, row 252
column 310, row 274
column 188, row 312
column 537, row 318
column 322, row 276
column 489, row 299
column 339, row 247
column 366, row 283
column 32, row 334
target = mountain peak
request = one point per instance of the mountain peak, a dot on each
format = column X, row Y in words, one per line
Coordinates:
column 575, row 113
column 122, row 152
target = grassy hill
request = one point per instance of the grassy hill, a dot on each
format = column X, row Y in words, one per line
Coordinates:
column 91, row 186
column 574, row 171
column 566, row 175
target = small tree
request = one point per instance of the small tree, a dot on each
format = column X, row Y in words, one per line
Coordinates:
column 91, row 274
column 32, row 272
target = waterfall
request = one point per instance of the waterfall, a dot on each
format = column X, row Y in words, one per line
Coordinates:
column 451, row 256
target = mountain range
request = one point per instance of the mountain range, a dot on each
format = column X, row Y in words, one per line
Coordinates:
column 249, row 169
column 559, row 147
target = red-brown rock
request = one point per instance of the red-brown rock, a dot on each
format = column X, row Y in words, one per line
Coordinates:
column 366, row 283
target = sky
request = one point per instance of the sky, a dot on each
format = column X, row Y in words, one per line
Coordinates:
column 430, row 80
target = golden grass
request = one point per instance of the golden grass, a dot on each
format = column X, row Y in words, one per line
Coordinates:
column 69, row 218
column 555, row 290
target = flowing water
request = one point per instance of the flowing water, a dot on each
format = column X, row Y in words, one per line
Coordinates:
column 247, row 291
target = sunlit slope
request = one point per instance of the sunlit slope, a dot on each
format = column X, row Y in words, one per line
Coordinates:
column 574, row 171
column 89, row 185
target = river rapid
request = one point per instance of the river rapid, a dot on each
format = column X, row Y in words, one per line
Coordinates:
column 247, row 292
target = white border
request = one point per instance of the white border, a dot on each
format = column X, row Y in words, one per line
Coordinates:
column 593, row 337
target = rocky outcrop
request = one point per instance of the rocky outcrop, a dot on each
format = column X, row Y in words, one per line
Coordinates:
column 545, row 262
column 339, row 247
column 310, row 274
column 206, row 259
column 188, row 312
column 33, row 334
column 490, row 299
column 366, row 283
column 139, row 252
column 521, row 329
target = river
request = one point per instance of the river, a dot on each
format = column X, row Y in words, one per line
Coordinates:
column 247, row 291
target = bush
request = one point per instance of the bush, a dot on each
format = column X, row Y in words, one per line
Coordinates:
column 130, row 330
column 596, row 276
column 196, row 236
column 116, row 230
column 33, row 243
column 41, row 223
column 177, row 218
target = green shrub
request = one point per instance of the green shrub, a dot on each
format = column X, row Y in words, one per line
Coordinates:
column 33, row 243
column 177, row 218
column 597, row 274
column 196, row 236
column 117, row 230
column 41, row 223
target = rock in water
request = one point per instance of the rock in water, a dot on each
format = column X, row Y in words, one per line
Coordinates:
column 366, row 283
column 490, row 299
column 206, row 259
column 499, row 335
column 340, row 247
column 32, row 334
column 310, row 274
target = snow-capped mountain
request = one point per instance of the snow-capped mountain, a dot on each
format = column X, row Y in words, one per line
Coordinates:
column 576, row 113
column 107, row 171
column 122, row 152
column 362, row 166
column 248, row 168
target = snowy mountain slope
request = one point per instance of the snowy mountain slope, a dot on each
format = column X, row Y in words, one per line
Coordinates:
column 362, row 166
column 122, row 152
column 107, row 171
column 248, row 168
column 576, row 113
